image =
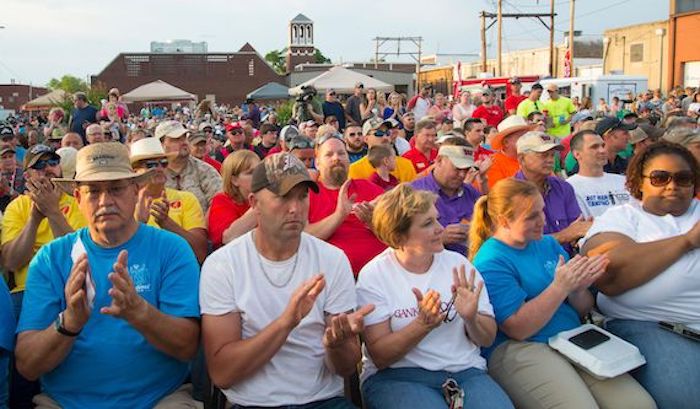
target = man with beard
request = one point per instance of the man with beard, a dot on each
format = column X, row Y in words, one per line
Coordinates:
column 341, row 211
column 159, row 206
column 355, row 143
column 185, row 172
column 30, row 221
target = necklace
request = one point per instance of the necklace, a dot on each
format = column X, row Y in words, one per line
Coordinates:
column 267, row 276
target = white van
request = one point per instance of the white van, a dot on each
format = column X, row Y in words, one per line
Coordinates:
column 602, row 86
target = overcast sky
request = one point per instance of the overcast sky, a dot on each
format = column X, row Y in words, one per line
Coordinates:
column 43, row 39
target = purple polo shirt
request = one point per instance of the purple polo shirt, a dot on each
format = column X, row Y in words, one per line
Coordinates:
column 451, row 210
column 560, row 205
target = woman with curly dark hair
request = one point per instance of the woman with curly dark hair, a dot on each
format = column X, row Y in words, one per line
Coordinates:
column 653, row 279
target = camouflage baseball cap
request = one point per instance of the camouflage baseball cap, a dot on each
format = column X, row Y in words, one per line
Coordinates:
column 279, row 173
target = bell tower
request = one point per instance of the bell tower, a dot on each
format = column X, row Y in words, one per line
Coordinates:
column 300, row 43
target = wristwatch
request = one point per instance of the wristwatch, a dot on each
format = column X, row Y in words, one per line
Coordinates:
column 58, row 325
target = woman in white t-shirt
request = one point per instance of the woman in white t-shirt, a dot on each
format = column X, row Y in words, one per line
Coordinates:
column 463, row 110
column 432, row 313
column 654, row 271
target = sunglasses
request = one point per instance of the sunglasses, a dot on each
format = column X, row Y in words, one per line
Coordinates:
column 152, row 164
column 43, row 163
column 236, row 131
column 354, row 134
column 659, row 178
column 300, row 144
column 379, row 133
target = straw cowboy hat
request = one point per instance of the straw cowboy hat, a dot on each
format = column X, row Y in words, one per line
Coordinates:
column 148, row 148
column 509, row 126
column 102, row 162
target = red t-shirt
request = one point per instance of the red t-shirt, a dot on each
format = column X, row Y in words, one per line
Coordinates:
column 213, row 162
column 482, row 153
column 420, row 162
column 493, row 115
column 386, row 185
column 512, row 102
column 566, row 143
column 222, row 212
column 274, row 150
column 352, row 236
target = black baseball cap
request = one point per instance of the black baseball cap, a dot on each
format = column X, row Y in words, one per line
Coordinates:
column 610, row 123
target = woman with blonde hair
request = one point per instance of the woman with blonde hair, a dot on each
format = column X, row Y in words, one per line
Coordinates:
column 229, row 214
column 431, row 313
column 537, row 294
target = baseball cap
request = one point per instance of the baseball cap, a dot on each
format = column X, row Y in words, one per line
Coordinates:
column 584, row 115
column 535, row 141
column 610, row 123
column 375, row 123
column 637, row 135
column 6, row 149
column 170, row 129
column 280, row 173
column 652, row 131
column 514, row 80
column 204, row 125
column 359, row 85
column 288, row 133
column 233, row 125
column 682, row 136
column 310, row 122
column 6, row 131
column 552, row 87
column 460, row 156
column 197, row 137
column 36, row 152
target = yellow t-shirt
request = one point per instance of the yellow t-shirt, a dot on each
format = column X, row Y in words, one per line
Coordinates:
column 16, row 217
column 559, row 110
column 185, row 210
column 362, row 169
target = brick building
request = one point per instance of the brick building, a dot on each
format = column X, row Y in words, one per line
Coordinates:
column 225, row 78
column 13, row 96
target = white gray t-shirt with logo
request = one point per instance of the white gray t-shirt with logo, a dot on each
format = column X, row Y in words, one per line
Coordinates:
column 595, row 195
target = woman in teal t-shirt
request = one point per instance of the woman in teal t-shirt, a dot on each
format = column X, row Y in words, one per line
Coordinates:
column 536, row 294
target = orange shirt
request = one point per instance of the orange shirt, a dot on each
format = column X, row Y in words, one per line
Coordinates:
column 503, row 167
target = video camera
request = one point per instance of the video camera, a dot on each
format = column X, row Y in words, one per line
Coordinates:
column 308, row 92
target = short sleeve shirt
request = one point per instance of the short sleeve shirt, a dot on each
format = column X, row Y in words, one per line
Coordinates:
column 111, row 363
column 223, row 211
column 362, row 169
column 16, row 217
column 515, row 276
column 451, row 210
column 198, row 178
column 184, row 210
column 560, row 205
column 236, row 278
column 352, row 236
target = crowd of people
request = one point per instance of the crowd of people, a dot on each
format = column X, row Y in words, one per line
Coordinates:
column 431, row 245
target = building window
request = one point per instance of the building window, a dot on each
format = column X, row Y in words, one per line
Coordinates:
column 636, row 52
column 251, row 68
column 0, row 99
column 15, row 94
column 684, row 6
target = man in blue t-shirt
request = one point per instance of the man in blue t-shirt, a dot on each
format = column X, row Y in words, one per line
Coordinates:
column 7, row 339
column 111, row 314
column 82, row 115
column 331, row 107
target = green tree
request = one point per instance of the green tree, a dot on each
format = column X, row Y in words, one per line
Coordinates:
column 276, row 59
column 69, row 84
column 319, row 58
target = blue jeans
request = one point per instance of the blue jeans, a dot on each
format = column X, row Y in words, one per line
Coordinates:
column 4, row 378
column 21, row 390
column 332, row 403
column 672, row 372
column 401, row 388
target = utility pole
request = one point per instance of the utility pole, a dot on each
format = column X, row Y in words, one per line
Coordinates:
column 572, row 7
column 499, row 56
column 498, row 18
column 551, row 39
column 483, row 41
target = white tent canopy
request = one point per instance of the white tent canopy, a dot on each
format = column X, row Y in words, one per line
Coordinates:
column 343, row 81
column 158, row 91
column 47, row 101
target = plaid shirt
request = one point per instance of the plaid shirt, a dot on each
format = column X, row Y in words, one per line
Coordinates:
column 198, row 178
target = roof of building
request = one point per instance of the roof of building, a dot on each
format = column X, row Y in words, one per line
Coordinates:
column 300, row 18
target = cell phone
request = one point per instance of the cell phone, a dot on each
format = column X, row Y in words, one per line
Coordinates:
column 589, row 339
